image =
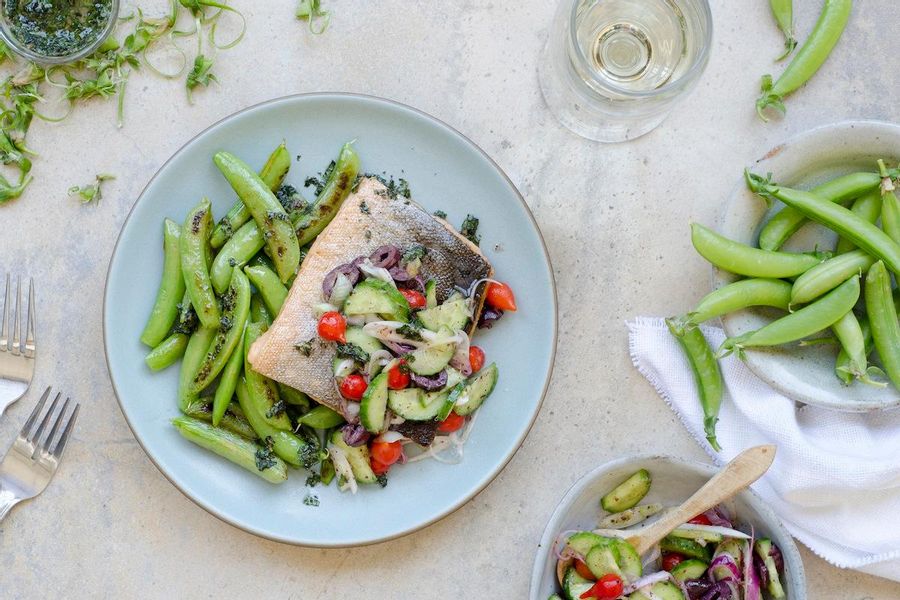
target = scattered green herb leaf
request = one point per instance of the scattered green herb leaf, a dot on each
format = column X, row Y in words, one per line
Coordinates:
column 91, row 192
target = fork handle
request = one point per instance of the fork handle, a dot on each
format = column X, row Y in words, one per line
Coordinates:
column 7, row 501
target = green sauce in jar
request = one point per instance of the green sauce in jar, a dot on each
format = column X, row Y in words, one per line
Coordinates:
column 57, row 27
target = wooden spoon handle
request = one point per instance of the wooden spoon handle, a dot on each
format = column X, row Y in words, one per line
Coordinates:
column 744, row 469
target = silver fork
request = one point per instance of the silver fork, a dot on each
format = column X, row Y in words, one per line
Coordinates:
column 34, row 457
column 17, row 348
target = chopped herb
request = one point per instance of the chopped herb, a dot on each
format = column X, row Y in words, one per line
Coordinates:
column 395, row 189
column 404, row 366
column 91, row 192
column 305, row 348
column 311, row 500
column 265, row 457
column 352, row 351
column 364, row 208
column 469, row 229
column 199, row 75
column 275, row 215
column 412, row 330
column 311, row 11
column 440, row 214
column 318, row 183
column 313, row 480
column 276, row 409
column 308, row 452
column 382, row 480
column 290, row 198
column 414, row 252
column 232, row 261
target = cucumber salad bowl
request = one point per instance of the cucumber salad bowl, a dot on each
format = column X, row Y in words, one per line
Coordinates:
column 736, row 551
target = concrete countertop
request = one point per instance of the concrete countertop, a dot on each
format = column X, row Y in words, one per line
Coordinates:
column 615, row 218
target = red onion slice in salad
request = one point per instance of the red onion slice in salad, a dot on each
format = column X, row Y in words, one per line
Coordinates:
column 430, row 383
column 354, row 435
column 729, row 563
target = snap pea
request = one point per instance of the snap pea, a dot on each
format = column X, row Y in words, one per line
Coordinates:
column 890, row 209
column 258, row 310
column 321, row 417
column 745, row 260
column 868, row 207
column 227, row 382
column 270, row 216
column 167, row 352
column 233, row 447
column 292, row 396
column 742, row 294
column 190, row 365
column 237, row 251
column 236, row 305
column 883, row 320
column 272, row 174
column 194, row 249
column 788, row 221
column 233, row 420
column 828, row 275
column 783, row 11
column 326, row 471
column 849, row 333
column 706, row 372
column 291, row 448
column 815, row 317
column 263, row 390
column 336, row 190
column 171, row 288
column 809, row 58
column 837, row 218
column 268, row 286
column 842, row 366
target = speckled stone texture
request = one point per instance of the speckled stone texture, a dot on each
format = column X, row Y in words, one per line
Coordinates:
column 615, row 219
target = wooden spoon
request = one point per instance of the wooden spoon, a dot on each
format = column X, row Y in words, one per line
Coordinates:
column 744, row 469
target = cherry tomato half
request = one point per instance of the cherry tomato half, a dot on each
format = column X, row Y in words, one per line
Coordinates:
column 700, row 519
column 476, row 358
column 387, row 453
column 607, row 587
column 415, row 299
column 353, row 387
column 397, row 377
column 452, row 423
column 583, row 570
column 379, row 468
column 500, row 295
column 332, row 327
column 670, row 560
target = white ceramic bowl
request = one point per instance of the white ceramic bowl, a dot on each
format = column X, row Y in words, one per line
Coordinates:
column 806, row 374
column 674, row 480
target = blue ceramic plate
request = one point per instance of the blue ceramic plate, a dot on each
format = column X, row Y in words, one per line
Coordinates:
column 445, row 171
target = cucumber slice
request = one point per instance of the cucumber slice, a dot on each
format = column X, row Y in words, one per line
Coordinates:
column 629, row 561
column 430, row 293
column 574, row 585
column 698, row 535
column 378, row 297
column 373, row 405
column 453, row 315
column 628, row 493
column 408, row 403
column 450, row 401
column 357, row 457
column 664, row 590
column 763, row 548
column 601, row 560
column 554, row 597
column 689, row 548
column 689, row 569
column 629, row 517
column 428, row 361
column 583, row 541
column 358, row 337
column 477, row 390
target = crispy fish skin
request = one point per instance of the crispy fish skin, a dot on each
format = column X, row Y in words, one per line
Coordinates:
column 291, row 351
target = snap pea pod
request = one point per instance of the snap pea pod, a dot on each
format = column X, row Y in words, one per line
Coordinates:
column 293, row 449
column 783, row 11
column 815, row 317
column 262, row 390
column 270, row 216
column 826, row 276
column 236, row 305
column 809, row 58
column 742, row 294
column 272, row 174
column 195, row 265
column 842, row 366
column 167, row 352
column 745, row 260
column 883, row 320
column 171, row 288
column 321, row 417
column 837, row 218
column 868, row 207
column 292, row 396
column 228, row 381
column 241, row 452
column 849, row 333
column 788, row 221
column 190, row 366
column 268, row 286
column 237, row 251
column 336, row 190
column 233, row 420
column 706, row 372
column 890, row 209
column 258, row 310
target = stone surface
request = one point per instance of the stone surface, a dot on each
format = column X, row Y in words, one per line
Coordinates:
column 615, row 219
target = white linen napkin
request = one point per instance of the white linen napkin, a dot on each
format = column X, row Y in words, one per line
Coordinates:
column 835, row 481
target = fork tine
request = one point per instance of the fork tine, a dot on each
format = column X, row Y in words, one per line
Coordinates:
column 56, row 423
column 26, row 428
column 4, row 326
column 17, row 318
column 37, row 434
column 61, row 444
column 29, row 347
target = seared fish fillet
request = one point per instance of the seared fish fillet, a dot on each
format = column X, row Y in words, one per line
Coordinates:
column 291, row 351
